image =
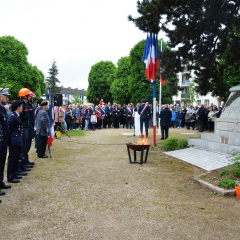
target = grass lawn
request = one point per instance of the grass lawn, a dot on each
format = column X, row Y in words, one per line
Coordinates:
column 74, row 133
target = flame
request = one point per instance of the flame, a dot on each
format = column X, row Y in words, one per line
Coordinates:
column 143, row 141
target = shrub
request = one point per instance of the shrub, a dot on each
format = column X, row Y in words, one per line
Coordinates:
column 227, row 183
column 170, row 144
column 183, row 144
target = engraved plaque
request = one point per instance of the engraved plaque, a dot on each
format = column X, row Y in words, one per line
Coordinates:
column 225, row 126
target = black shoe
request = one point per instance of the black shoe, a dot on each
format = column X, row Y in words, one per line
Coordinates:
column 31, row 163
column 14, row 181
column 27, row 166
column 21, row 173
column 0, row 200
column 4, row 186
column 2, row 193
column 200, row 131
column 161, row 138
column 18, row 177
column 44, row 156
column 25, row 169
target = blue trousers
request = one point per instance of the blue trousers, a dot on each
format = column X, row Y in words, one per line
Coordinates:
column 3, row 155
column 24, row 148
column 13, row 160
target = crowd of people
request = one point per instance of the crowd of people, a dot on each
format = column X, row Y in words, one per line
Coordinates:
column 21, row 121
column 90, row 117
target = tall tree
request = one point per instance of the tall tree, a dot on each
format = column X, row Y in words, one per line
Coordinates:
column 77, row 99
column 203, row 31
column 15, row 70
column 52, row 80
column 100, row 79
column 119, row 87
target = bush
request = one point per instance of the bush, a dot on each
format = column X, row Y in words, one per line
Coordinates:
column 170, row 144
column 183, row 144
column 227, row 183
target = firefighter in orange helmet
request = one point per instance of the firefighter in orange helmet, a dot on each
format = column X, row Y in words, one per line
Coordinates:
column 24, row 94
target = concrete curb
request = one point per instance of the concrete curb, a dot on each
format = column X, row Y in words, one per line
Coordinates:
column 221, row 191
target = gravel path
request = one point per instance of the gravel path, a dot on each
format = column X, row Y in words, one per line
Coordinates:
column 89, row 190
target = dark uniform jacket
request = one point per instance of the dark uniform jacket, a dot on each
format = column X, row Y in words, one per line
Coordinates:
column 16, row 130
column 124, row 111
column 108, row 110
column 24, row 115
column 165, row 116
column 146, row 113
column 200, row 113
column 117, row 112
column 43, row 124
column 4, row 126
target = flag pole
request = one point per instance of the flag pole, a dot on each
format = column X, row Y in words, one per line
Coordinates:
column 154, row 113
column 160, row 104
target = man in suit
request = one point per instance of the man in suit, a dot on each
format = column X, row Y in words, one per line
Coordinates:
column 5, row 138
column 129, row 116
column 165, row 116
column 144, row 111
column 109, row 112
column 137, row 107
column 16, row 142
column 43, row 130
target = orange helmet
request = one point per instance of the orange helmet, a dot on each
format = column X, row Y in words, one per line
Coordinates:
column 24, row 92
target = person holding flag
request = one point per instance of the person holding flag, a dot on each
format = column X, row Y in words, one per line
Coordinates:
column 144, row 111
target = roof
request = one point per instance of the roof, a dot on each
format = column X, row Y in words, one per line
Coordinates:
column 73, row 91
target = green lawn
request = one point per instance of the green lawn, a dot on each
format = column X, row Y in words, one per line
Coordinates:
column 74, row 133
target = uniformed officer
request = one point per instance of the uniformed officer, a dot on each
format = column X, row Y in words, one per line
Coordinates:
column 16, row 142
column 24, row 94
column 144, row 111
column 5, row 136
column 42, row 129
column 30, row 129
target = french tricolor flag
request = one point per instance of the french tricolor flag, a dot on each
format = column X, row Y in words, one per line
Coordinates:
column 150, row 57
column 50, row 139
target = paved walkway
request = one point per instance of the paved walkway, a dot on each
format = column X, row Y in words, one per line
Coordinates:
column 201, row 158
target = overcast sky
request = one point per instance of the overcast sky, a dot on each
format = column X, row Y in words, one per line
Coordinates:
column 76, row 33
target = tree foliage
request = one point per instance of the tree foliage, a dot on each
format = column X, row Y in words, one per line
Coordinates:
column 15, row 70
column 204, row 31
column 77, row 99
column 119, row 87
column 52, row 79
column 100, row 79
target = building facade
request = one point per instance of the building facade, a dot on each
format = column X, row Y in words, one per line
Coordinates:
column 185, row 78
column 69, row 95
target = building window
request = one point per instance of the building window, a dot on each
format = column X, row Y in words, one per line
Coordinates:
column 206, row 102
column 199, row 102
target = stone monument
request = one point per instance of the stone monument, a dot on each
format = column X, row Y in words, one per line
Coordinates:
column 226, row 135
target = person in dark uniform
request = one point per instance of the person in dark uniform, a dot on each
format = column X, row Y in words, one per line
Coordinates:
column 129, row 116
column 5, row 138
column 144, row 111
column 30, row 129
column 165, row 116
column 24, row 94
column 116, row 116
column 200, row 117
column 124, row 113
column 42, row 130
column 16, row 142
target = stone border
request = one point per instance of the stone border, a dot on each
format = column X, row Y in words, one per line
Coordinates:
column 221, row 191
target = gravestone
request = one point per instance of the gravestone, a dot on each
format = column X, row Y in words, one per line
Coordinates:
column 226, row 135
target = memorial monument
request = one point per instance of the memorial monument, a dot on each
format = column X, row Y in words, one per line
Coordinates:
column 226, row 135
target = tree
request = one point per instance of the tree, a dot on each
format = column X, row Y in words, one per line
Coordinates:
column 119, row 87
column 15, row 71
column 99, row 81
column 77, row 99
column 139, row 86
column 52, row 80
column 191, row 93
column 203, row 31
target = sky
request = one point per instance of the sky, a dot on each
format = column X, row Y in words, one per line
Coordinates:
column 76, row 33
